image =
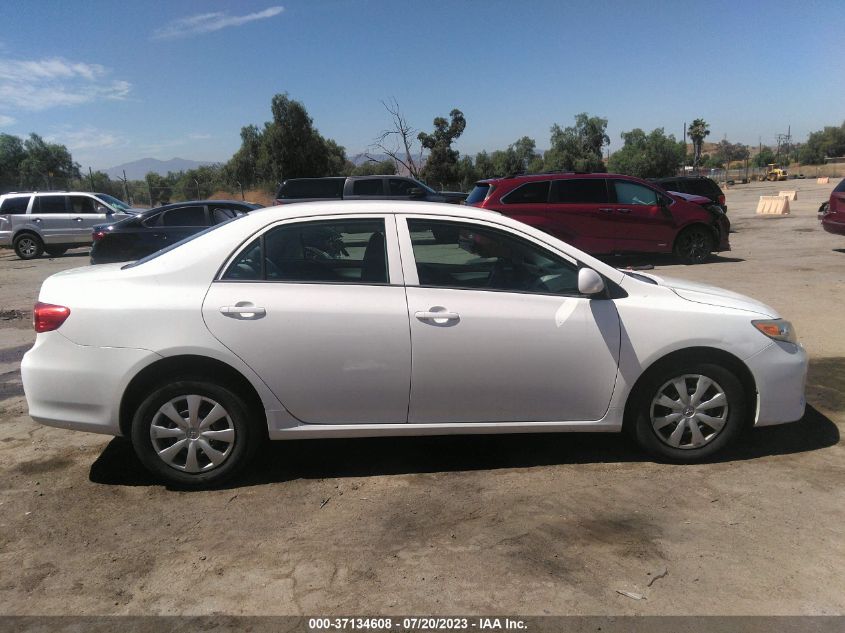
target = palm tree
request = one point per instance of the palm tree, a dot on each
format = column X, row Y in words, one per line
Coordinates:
column 697, row 131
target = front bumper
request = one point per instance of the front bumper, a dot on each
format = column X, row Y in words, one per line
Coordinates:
column 780, row 371
column 78, row 386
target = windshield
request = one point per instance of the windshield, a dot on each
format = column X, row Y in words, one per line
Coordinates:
column 157, row 254
column 120, row 205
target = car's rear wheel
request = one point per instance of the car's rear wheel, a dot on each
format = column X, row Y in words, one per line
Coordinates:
column 689, row 411
column 55, row 251
column 694, row 245
column 194, row 433
column 28, row 246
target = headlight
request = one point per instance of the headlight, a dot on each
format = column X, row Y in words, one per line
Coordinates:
column 777, row 329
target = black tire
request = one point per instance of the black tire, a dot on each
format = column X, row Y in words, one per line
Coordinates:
column 694, row 244
column 658, row 442
column 28, row 246
column 55, row 251
column 244, row 440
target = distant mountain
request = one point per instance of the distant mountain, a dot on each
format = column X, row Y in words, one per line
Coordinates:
column 137, row 169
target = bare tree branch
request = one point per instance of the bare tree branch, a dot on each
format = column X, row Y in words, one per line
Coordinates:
column 398, row 140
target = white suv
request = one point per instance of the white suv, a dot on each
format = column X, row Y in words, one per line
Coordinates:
column 54, row 221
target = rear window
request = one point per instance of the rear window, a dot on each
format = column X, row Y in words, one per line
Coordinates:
column 704, row 187
column 311, row 188
column 529, row 193
column 479, row 193
column 841, row 186
column 16, row 205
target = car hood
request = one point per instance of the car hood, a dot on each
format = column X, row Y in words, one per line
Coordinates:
column 691, row 197
column 713, row 295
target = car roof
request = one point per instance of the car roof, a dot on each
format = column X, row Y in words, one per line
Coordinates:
column 556, row 175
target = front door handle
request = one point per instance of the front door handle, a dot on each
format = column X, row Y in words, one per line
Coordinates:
column 624, row 210
column 606, row 209
column 77, row 219
column 242, row 310
column 437, row 316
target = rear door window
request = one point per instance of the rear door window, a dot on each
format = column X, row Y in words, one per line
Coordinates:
column 529, row 193
column 16, row 205
column 368, row 187
column 580, row 191
column 51, row 204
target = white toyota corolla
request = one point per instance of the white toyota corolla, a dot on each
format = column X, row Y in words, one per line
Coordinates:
column 349, row 319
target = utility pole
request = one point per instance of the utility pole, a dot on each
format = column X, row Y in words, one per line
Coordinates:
column 241, row 187
column 198, row 188
column 150, row 191
column 125, row 187
column 91, row 177
column 685, row 147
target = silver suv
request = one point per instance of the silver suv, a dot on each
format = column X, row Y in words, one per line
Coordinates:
column 53, row 221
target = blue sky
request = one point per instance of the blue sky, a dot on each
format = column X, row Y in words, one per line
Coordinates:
column 117, row 81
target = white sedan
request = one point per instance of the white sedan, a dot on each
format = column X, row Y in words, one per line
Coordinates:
column 351, row 319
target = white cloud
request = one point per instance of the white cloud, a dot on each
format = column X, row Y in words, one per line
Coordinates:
column 53, row 82
column 86, row 138
column 5, row 121
column 209, row 22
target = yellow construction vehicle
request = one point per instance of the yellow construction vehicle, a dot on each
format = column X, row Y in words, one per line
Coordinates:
column 773, row 173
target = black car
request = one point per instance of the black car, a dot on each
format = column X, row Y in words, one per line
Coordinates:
column 695, row 185
column 362, row 188
column 143, row 234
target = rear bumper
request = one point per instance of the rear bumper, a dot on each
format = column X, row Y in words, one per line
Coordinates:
column 5, row 238
column 834, row 223
column 78, row 386
column 780, row 372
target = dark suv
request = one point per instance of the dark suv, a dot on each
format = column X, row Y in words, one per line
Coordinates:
column 609, row 213
column 361, row 188
column 696, row 185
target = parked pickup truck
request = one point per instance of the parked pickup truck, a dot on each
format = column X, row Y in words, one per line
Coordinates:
column 362, row 188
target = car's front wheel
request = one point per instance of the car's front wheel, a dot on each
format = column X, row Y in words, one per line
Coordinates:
column 194, row 433
column 686, row 412
column 694, row 245
column 28, row 246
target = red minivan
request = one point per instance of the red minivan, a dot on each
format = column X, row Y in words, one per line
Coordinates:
column 609, row 213
column 833, row 220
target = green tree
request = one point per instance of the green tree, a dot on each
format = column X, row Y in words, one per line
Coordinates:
column 506, row 162
column 697, row 131
column 467, row 173
column 764, row 157
column 47, row 165
column 726, row 152
column 375, row 168
column 441, row 166
column 12, row 154
column 579, row 147
column 160, row 188
column 651, row 155
column 525, row 150
column 825, row 143
column 484, row 165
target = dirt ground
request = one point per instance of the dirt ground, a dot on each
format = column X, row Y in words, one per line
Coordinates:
column 474, row 525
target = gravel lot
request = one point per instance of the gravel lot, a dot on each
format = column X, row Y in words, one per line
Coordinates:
column 512, row 524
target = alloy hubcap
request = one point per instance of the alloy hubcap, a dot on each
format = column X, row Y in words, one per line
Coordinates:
column 27, row 247
column 192, row 433
column 689, row 411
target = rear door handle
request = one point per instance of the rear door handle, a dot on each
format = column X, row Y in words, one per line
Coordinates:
column 77, row 219
column 624, row 210
column 437, row 316
column 606, row 209
column 243, row 311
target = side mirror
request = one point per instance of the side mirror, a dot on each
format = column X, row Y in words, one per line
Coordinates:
column 589, row 282
column 416, row 192
column 104, row 209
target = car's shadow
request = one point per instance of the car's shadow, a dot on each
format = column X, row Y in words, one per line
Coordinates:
column 362, row 457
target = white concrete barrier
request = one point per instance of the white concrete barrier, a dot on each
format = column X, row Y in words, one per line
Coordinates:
column 824, row 180
column 773, row 205
column 789, row 195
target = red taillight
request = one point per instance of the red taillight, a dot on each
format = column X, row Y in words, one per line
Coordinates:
column 722, row 199
column 47, row 317
column 98, row 235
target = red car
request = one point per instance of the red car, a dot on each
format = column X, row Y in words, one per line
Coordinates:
column 609, row 213
column 833, row 220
